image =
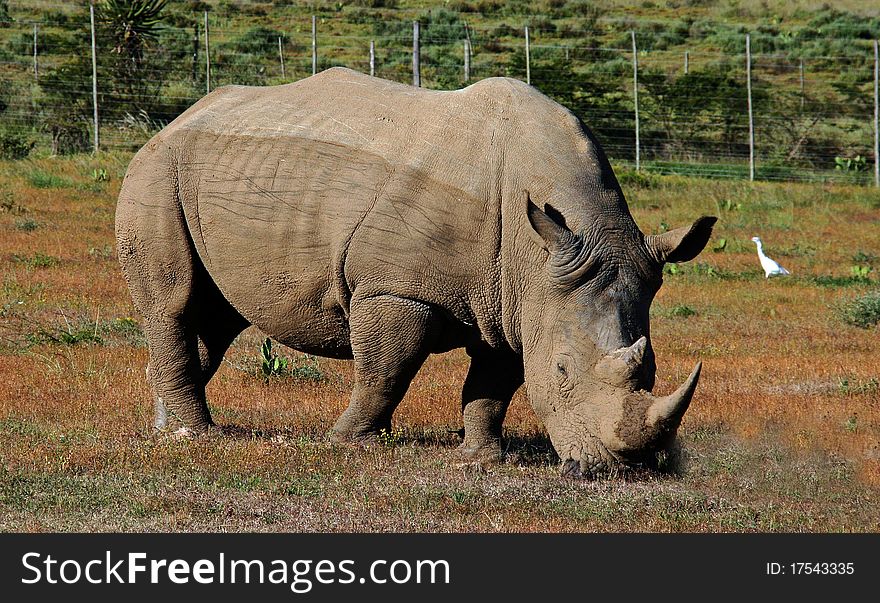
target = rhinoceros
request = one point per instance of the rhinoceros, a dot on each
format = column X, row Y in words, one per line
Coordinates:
column 352, row 217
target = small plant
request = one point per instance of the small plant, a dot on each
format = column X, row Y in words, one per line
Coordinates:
column 729, row 205
column 27, row 225
column 720, row 246
column 671, row 269
column 306, row 369
column 707, row 269
column 862, row 311
column 100, row 175
column 851, row 424
column 682, row 311
column 861, row 272
column 851, row 164
column 271, row 365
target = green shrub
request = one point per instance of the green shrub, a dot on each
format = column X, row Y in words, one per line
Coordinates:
column 27, row 225
column 15, row 145
column 862, row 311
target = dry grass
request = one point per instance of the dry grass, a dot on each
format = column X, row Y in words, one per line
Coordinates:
column 783, row 434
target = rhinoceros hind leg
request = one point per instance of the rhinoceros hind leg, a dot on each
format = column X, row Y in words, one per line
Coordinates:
column 217, row 324
column 492, row 380
column 390, row 338
column 175, row 373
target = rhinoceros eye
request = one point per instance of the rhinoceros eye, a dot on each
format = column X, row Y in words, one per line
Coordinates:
column 563, row 377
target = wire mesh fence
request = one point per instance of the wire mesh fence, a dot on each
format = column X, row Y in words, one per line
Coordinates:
column 813, row 107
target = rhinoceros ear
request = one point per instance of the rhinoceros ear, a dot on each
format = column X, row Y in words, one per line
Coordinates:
column 550, row 227
column 682, row 244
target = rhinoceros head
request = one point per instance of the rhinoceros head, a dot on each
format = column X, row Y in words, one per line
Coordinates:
column 589, row 365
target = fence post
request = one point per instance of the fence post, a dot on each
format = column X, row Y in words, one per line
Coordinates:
column 528, row 59
column 417, row 67
column 94, row 74
column 467, row 35
column 207, row 57
column 751, row 112
column 281, row 56
column 372, row 58
column 467, row 61
column 876, row 115
column 195, row 62
column 636, row 96
column 36, row 70
column 314, row 45
column 802, row 85
column 687, row 58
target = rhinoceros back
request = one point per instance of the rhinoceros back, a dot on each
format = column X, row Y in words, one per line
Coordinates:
column 300, row 197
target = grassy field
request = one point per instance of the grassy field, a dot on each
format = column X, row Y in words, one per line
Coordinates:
column 783, row 435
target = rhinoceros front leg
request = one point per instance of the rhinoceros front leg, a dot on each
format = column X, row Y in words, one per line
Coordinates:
column 492, row 380
column 390, row 339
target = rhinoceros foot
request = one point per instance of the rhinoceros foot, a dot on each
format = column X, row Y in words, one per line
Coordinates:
column 481, row 455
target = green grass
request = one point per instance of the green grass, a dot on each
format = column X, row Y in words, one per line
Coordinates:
column 41, row 179
column 37, row 260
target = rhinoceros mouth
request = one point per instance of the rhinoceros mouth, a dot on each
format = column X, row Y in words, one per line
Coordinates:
column 601, row 463
column 594, row 461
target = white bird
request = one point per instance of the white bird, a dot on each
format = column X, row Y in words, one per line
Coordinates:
column 771, row 268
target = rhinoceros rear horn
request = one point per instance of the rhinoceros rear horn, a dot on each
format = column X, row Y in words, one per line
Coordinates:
column 620, row 366
column 665, row 413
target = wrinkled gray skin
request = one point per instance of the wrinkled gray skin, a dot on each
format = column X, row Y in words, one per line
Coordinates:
column 352, row 217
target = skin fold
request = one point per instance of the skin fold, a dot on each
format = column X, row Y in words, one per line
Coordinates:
column 352, row 217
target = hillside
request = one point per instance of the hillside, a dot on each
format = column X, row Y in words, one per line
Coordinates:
column 818, row 126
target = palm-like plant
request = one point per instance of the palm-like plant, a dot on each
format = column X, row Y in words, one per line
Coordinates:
column 133, row 24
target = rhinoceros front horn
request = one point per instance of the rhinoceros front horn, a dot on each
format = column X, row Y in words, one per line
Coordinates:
column 665, row 413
